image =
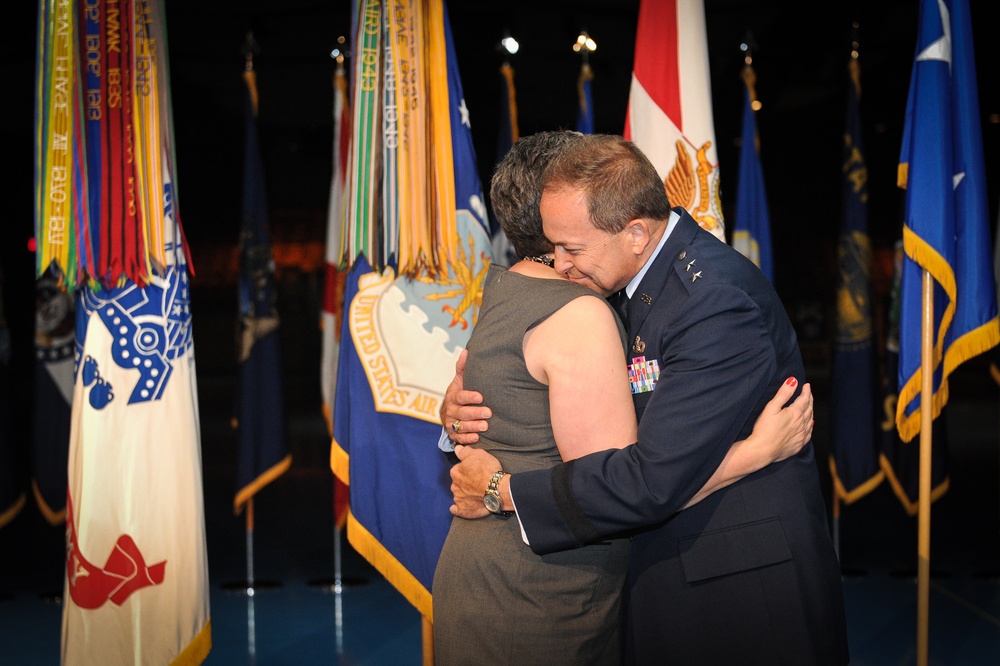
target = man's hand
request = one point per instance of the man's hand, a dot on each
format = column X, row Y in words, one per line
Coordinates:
column 469, row 479
column 786, row 429
column 462, row 413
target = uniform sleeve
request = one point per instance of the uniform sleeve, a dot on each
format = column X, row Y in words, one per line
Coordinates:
column 716, row 360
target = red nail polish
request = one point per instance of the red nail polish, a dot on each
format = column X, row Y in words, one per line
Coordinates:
column 790, row 381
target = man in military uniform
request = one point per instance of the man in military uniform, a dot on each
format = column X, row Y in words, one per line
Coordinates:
column 748, row 574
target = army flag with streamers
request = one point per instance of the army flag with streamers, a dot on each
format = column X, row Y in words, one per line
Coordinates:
column 405, row 323
column 670, row 106
column 107, row 225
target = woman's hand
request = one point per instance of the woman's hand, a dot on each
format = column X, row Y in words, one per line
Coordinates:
column 786, row 429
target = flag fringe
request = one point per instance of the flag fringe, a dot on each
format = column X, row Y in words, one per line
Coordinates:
column 925, row 256
column 851, row 496
column 340, row 462
column 10, row 513
column 197, row 650
column 252, row 488
column 52, row 516
column 909, row 506
column 390, row 568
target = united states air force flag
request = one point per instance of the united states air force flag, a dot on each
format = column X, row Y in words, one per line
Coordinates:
column 946, row 227
column 670, row 106
column 403, row 332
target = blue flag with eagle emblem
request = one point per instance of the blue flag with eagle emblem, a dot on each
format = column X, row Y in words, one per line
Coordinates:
column 854, row 458
column 404, row 329
column 260, row 413
column 946, row 227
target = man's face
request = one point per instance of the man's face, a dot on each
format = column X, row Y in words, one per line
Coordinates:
column 596, row 259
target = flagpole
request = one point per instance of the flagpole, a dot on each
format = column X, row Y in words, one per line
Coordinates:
column 836, row 524
column 251, row 620
column 924, row 507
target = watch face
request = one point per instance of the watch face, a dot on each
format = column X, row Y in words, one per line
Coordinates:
column 492, row 503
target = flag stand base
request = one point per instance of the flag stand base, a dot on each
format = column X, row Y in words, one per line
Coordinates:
column 330, row 584
column 250, row 588
column 51, row 597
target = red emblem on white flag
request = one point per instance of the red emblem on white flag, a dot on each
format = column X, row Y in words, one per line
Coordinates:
column 670, row 106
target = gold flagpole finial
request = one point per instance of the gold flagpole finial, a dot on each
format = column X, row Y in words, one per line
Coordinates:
column 855, row 39
column 249, row 48
column 340, row 52
column 584, row 45
column 508, row 45
column 747, row 46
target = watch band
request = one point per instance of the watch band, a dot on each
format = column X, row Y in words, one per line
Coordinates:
column 493, row 492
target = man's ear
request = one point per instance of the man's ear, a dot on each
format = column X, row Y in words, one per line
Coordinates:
column 638, row 233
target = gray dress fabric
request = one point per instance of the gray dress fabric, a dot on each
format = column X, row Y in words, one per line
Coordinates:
column 495, row 601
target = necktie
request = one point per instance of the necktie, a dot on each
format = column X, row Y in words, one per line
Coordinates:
column 620, row 303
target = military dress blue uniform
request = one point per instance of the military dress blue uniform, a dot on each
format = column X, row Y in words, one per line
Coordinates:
column 749, row 575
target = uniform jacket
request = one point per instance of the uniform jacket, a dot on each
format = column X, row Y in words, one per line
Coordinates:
column 749, row 575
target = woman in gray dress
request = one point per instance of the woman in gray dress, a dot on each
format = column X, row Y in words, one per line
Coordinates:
column 548, row 356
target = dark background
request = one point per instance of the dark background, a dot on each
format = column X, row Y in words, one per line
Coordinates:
column 800, row 56
column 800, row 59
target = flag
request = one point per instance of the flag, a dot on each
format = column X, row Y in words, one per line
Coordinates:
column 752, row 227
column 670, row 106
column 585, row 112
column 55, row 326
column 332, row 314
column 508, row 133
column 899, row 460
column 12, row 498
column 136, row 579
column 995, row 362
column 854, row 459
column 264, row 454
column 403, row 333
column 503, row 251
column 946, row 228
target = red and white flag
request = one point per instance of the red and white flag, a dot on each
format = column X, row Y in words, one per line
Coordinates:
column 670, row 106
column 136, row 559
column 331, row 316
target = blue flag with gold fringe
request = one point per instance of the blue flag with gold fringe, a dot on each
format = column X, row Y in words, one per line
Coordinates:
column 405, row 324
column 946, row 228
column 263, row 441
column 752, row 227
column 854, row 459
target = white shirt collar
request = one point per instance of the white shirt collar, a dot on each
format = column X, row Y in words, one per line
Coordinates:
column 671, row 223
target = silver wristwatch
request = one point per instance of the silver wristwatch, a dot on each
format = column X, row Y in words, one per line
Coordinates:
column 492, row 497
